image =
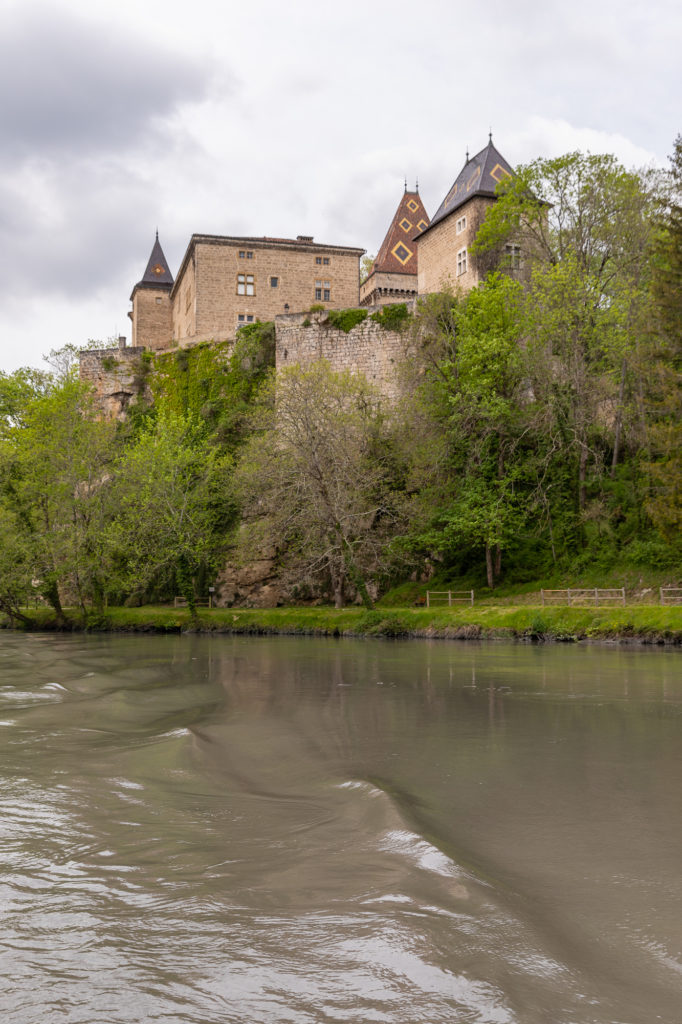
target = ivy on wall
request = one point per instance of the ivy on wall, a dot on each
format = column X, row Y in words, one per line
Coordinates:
column 215, row 381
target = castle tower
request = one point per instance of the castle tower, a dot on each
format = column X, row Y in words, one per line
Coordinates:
column 393, row 277
column 444, row 247
column 151, row 312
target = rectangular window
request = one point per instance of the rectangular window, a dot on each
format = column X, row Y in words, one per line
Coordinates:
column 513, row 256
column 245, row 284
column 249, row 254
column 318, row 293
column 325, row 260
column 327, row 294
column 242, row 254
column 461, row 224
column 318, row 260
column 274, row 281
column 461, row 262
column 244, row 318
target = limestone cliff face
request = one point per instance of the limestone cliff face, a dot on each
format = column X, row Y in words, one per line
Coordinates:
column 117, row 377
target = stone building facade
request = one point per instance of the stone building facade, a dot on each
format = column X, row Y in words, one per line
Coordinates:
column 224, row 283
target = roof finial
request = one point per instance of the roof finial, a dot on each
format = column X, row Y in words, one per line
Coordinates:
column 490, row 136
column 467, row 156
column 416, row 185
column 406, row 183
column 157, row 234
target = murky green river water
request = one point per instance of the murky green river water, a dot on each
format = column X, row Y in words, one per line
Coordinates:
column 206, row 830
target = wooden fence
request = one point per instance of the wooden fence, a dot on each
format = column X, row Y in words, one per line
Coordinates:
column 670, row 595
column 590, row 596
column 201, row 602
column 449, row 597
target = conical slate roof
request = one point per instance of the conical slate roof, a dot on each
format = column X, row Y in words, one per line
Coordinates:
column 398, row 251
column 480, row 176
column 157, row 272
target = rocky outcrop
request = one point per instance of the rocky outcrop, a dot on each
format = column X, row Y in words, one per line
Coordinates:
column 117, row 376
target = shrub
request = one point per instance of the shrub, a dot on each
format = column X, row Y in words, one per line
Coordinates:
column 346, row 319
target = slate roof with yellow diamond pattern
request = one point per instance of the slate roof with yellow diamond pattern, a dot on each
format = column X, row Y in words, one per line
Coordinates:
column 480, row 176
column 398, row 251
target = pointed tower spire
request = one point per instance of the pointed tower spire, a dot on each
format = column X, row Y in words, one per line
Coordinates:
column 157, row 271
column 480, row 176
column 398, row 251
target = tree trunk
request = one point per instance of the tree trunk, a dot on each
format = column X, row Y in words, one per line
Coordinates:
column 498, row 560
column 582, row 479
column 489, row 566
column 337, row 584
column 619, row 423
column 51, row 594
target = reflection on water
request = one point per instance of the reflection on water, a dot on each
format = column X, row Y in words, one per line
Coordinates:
column 213, row 829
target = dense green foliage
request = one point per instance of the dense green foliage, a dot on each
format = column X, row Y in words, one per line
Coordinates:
column 93, row 511
column 542, row 389
column 392, row 317
column 346, row 319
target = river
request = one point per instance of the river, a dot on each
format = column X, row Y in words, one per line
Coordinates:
column 206, row 830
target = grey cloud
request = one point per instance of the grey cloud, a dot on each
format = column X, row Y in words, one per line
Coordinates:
column 70, row 87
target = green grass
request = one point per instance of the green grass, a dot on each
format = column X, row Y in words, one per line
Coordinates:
column 646, row 623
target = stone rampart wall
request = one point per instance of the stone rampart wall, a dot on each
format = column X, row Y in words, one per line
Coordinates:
column 368, row 348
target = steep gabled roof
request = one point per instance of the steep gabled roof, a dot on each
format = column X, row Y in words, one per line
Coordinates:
column 398, row 251
column 157, row 272
column 480, row 176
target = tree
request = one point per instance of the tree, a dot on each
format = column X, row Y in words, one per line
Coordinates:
column 171, row 491
column 54, row 462
column 586, row 228
column 665, row 377
column 468, row 471
column 366, row 266
column 319, row 479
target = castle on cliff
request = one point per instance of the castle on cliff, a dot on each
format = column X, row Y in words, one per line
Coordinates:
column 225, row 282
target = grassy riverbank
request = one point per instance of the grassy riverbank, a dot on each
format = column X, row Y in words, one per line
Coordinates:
column 642, row 623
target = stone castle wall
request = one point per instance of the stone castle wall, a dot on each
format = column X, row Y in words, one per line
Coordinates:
column 115, row 376
column 368, row 348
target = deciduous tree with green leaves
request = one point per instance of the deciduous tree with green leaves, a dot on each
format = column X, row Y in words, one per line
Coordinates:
column 319, row 480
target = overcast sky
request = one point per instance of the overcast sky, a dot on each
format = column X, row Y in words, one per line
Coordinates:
column 260, row 118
